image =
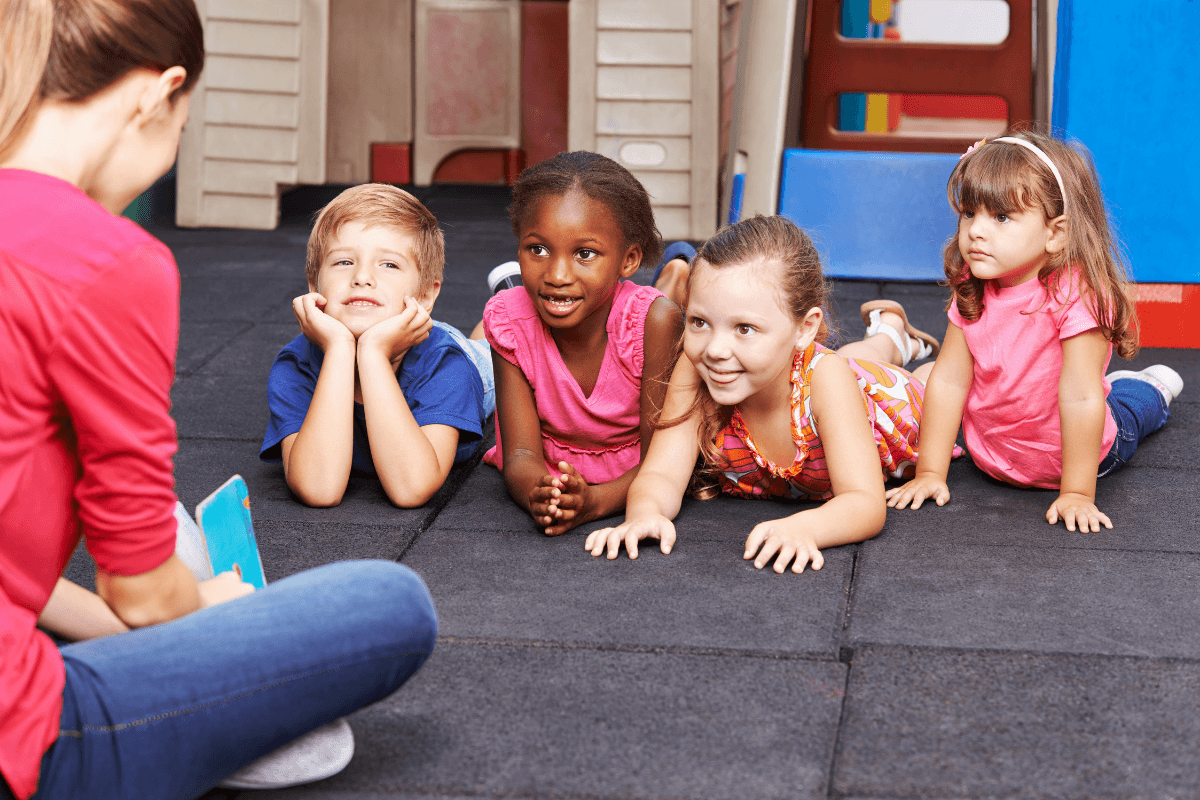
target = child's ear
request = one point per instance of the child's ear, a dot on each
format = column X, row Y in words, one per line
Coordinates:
column 155, row 98
column 1057, row 242
column 430, row 295
column 809, row 327
column 633, row 261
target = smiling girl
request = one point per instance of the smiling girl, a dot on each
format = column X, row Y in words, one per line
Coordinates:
column 581, row 355
column 774, row 413
column 1040, row 300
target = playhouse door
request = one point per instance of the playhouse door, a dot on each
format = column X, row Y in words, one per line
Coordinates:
column 258, row 114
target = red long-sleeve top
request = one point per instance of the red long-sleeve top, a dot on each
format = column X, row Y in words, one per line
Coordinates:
column 89, row 324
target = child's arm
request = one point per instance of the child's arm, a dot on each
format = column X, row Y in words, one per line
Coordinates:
column 1081, row 414
column 566, row 500
column 316, row 459
column 857, row 510
column 411, row 460
column 656, row 494
column 74, row 613
column 941, row 414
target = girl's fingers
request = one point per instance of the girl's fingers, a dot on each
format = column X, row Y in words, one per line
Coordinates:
column 786, row 553
column 769, row 548
column 631, row 541
column 815, row 556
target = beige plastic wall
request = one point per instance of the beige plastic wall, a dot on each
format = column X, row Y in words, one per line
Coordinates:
column 257, row 117
column 370, row 82
column 644, row 91
column 467, row 75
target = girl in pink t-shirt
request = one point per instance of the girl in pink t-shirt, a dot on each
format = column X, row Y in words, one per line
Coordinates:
column 581, row 355
column 1040, row 299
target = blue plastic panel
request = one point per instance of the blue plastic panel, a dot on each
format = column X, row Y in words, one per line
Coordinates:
column 871, row 215
column 1138, row 113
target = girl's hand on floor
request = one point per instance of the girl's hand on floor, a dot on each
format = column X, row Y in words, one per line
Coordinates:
column 652, row 527
column 226, row 586
column 559, row 501
column 783, row 541
column 1077, row 509
column 917, row 491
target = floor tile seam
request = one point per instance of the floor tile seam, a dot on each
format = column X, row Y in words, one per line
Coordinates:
column 836, row 748
column 225, row 346
column 430, row 518
column 855, row 646
column 638, row 649
column 1049, row 548
column 451, row 791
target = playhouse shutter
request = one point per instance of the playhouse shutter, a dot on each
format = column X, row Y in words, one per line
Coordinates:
column 258, row 113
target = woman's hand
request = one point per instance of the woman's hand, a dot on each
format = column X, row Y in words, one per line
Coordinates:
column 654, row 526
column 784, row 540
column 926, row 486
column 1077, row 509
column 224, row 587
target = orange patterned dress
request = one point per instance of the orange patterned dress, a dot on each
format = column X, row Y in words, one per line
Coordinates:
column 892, row 397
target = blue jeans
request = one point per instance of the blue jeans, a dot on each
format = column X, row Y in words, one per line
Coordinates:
column 480, row 353
column 1139, row 410
column 170, row 711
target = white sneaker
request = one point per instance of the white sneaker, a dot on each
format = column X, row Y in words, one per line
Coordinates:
column 318, row 754
column 1160, row 376
column 504, row 276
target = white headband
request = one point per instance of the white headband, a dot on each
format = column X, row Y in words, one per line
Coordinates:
column 1037, row 151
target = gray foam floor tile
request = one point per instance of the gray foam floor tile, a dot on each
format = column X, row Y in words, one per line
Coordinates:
column 1020, row 598
column 201, row 341
column 496, row 721
column 1151, row 510
column 343, row 531
column 922, row 724
column 493, row 575
column 227, row 397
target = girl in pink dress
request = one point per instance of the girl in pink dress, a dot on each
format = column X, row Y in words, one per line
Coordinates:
column 774, row 413
column 1040, row 301
column 581, row 355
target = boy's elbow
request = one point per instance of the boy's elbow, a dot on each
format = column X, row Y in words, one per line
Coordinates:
column 407, row 495
column 316, row 496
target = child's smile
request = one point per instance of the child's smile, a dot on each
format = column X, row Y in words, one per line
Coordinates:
column 573, row 254
column 1008, row 248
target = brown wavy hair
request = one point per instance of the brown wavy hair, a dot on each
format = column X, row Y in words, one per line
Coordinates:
column 1003, row 177
column 775, row 245
column 601, row 179
column 71, row 49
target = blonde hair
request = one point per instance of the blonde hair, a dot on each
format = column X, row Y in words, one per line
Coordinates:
column 1004, row 177
column 71, row 49
column 380, row 204
column 773, row 244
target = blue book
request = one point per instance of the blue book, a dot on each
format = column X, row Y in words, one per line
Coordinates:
column 222, row 537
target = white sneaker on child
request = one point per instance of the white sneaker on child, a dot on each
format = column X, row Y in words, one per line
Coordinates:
column 318, row 754
column 1160, row 376
column 504, row 276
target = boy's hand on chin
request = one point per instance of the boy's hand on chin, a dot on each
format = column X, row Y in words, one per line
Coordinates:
column 318, row 327
column 394, row 336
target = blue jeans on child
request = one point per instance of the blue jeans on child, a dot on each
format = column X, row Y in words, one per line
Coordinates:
column 171, row 710
column 1139, row 410
column 480, row 353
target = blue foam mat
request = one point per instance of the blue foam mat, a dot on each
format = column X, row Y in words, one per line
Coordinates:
column 871, row 215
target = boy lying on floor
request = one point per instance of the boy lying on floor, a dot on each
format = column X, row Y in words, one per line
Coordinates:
column 373, row 383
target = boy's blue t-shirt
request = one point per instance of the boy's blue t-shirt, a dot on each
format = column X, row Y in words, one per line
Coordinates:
column 440, row 383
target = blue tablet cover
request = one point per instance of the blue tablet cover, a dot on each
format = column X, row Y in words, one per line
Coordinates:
column 224, row 517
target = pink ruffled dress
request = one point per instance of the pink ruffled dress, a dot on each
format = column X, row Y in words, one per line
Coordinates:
column 600, row 434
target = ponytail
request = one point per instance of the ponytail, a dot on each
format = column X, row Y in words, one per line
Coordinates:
column 26, row 28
